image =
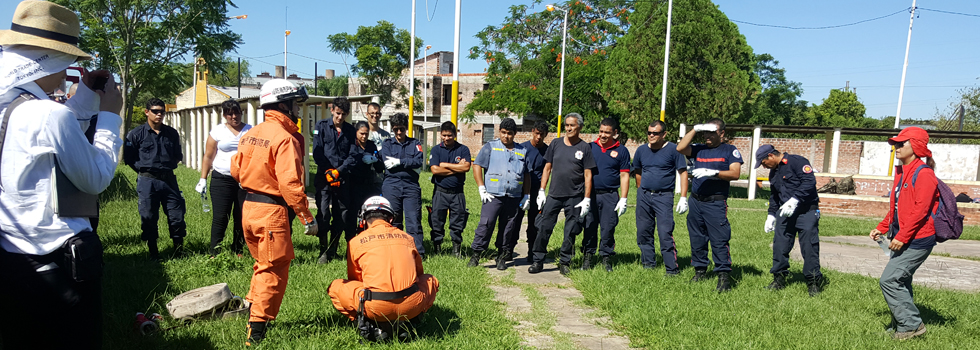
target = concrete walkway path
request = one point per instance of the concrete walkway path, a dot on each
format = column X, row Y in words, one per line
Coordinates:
column 861, row 255
column 548, row 308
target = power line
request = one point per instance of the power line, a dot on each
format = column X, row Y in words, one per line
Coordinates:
column 947, row 12
column 824, row 27
column 315, row 59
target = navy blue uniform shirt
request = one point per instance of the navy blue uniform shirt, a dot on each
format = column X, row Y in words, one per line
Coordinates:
column 359, row 173
column 609, row 162
column 410, row 155
column 658, row 168
column 535, row 162
column 330, row 149
column 718, row 158
column 793, row 177
column 145, row 150
column 455, row 155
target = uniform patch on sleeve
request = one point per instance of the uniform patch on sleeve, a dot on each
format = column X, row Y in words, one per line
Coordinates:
column 736, row 154
column 579, row 155
column 614, row 154
column 807, row 169
column 419, row 147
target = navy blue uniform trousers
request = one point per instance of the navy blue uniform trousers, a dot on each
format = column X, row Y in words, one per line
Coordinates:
column 406, row 201
column 154, row 192
column 708, row 222
column 546, row 226
column 451, row 205
column 603, row 214
column 331, row 209
column 532, row 229
column 500, row 212
column 805, row 222
column 655, row 210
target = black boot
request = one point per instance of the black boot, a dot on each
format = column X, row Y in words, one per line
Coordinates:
column 778, row 282
column 502, row 261
column 324, row 254
column 256, row 333
column 457, row 250
column 699, row 275
column 474, row 260
column 530, row 253
column 564, row 269
column 436, row 248
column 724, row 282
column 154, row 251
column 587, row 261
column 607, row 263
column 535, row 267
column 178, row 247
column 509, row 254
column 814, row 286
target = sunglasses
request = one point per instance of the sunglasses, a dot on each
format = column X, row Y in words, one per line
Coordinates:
column 898, row 144
column 375, row 114
column 156, row 111
column 399, row 129
column 651, row 133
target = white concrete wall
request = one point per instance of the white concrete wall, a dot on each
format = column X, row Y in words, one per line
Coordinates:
column 953, row 161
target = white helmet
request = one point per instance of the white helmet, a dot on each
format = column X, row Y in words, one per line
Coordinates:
column 376, row 203
column 281, row 90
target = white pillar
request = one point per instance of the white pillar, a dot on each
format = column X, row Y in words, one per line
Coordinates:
column 681, row 130
column 305, row 132
column 185, row 132
column 753, row 171
column 252, row 118
column 835, row 151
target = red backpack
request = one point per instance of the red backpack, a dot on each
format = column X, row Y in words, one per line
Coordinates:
column 946, row 217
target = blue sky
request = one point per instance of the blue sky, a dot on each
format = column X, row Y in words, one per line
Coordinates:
column 943, row 58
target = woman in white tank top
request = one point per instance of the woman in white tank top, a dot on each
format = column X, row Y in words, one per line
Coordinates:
column 226, row 195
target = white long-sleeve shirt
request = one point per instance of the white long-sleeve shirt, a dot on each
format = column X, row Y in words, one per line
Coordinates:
column 39, row 133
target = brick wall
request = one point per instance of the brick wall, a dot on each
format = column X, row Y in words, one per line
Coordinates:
column 877, row 207
column 880, row 185
column 471, row 135
column 848, row 161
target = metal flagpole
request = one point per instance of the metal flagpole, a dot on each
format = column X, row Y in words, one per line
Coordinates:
column 663, row 94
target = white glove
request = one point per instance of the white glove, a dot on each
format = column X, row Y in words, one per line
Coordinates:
column 706, row 127
column 789, row 207
column 311, row 228
column 702, row 172
column 369, row 159
column 585, row 204
column 485, row 196
column 391, row 162
column 202, row 186
column 621, row 207
column 525, row 202
column 541, row 197
column 770, row 224
column 682, row 205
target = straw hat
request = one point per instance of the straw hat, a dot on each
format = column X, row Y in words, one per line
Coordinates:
column 44, row 24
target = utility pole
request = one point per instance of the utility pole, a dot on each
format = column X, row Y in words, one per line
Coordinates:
column 411, row 77
column 663, row 94
column 901, row 89
column 455, row 104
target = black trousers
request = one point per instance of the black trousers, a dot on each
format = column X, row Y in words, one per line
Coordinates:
column 546, row 225
column 453, row 206
column 48, row 309
column 226, row 198
column 602, row 214
column 332, row 207
column 154, row 192
column 532, row 229
column 806, row 223
column 500, row 211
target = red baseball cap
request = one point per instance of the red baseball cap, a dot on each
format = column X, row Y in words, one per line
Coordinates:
column 910, row 133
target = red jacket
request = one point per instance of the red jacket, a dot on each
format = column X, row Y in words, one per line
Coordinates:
column 915, row 203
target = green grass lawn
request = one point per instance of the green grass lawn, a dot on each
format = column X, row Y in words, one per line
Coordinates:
column 655, row 312
column 464, row 316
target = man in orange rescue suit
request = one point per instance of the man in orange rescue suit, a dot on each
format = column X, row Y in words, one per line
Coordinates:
column 386, row 289
column 269, row 166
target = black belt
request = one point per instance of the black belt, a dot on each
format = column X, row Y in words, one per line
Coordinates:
column 370, row 295
column 657, row 192
column 606, row 191
column 264, row 198
column 159, row 175
column 448, row 190
column 711, row 198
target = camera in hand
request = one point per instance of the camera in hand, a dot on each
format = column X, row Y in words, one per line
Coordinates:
column 100, row 83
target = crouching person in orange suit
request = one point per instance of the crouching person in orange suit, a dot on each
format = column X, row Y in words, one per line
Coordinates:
column 386, row 290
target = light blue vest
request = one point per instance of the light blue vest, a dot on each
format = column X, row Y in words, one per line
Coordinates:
column 505, row 173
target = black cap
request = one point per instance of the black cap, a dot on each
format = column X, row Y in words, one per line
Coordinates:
column 762, row 153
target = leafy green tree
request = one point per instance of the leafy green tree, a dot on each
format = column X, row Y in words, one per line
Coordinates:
column 524, row 57
column 139, row 40
column 383, row 53
column 777, row 104
column 711, row 67
column 839, row 109
column 337, row 86
column 949, row 118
